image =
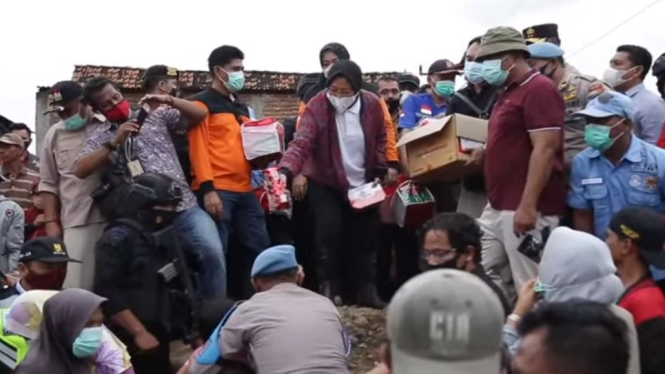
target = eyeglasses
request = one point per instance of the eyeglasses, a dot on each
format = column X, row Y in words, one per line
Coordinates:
column 437, row 254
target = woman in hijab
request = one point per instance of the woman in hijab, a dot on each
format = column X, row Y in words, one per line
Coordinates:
column 341, row 145
column 574, row 265
column 71, row 337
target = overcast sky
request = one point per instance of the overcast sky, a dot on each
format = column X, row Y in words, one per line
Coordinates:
column 41, row 41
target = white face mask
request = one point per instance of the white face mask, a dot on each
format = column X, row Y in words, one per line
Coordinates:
column 614, row 77
column 326, row 71
column 342, row 104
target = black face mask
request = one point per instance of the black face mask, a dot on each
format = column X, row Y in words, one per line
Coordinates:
column 148, row 218
column 393, row 104
column 450, row 264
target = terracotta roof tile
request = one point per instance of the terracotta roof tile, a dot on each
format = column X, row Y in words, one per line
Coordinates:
column 130, row 78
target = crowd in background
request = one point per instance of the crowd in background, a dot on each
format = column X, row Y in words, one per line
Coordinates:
column 545, row 256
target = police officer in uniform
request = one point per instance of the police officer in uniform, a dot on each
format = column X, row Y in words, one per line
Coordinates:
column 140, row 272
column 547, row 32
column 577, row 90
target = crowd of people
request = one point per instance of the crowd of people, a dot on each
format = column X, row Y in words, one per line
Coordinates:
column 139, row 226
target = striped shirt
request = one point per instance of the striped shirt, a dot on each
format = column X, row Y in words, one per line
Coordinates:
column 18, row 188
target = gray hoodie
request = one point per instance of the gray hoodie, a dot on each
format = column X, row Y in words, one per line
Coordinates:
column 577, row 265
column 12, row 221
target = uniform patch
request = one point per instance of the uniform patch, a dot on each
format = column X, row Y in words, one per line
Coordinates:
column 9, row 213
column 635, row 180
column 651, row 183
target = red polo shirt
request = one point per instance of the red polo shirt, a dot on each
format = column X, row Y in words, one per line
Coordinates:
column 533, row 103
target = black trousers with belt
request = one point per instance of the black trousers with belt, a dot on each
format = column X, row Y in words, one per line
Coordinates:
column 345, row 240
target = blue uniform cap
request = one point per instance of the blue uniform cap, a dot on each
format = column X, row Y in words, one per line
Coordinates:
column 274, row 260
column 609, row 104
column 545, row 51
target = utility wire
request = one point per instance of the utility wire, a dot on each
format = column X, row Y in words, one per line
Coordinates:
column 613, row 29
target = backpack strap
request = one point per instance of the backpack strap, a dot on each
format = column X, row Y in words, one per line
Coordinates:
column 468, row 102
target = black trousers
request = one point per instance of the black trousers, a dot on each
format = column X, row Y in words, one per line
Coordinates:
column 397, row 259
column 345, row 239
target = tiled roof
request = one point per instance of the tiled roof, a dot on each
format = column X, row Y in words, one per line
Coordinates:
column 130, row 78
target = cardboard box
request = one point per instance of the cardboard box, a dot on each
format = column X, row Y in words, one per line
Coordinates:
column 438, row 149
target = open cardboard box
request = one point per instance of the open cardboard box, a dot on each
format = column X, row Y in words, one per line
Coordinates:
column 438, row 149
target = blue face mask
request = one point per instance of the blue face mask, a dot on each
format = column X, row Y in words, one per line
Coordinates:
column 493, row 73
column 473, row 71
column 88, row 342
column 74, row 123
column 599, row 137
column 444, row 88
column 236, row 80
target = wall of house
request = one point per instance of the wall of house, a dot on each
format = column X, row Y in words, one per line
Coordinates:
column 266, row 104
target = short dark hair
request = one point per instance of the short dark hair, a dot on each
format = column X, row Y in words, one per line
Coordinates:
column 424, row 88
column 462, row 231
column 582, row 337
column 150, row 84
column 221, row 56
column 471, row 42
column 288, row 275
column 387, row 78
column 93, row 86
column 19, row 126
column 639, row 56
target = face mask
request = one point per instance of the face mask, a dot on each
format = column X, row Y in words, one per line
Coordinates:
column 326, row 71
column 50, row 281
column 493, row 73
column 450, row 264
column 149, row 217
column 236, row 80
column 341, row 104
column 544, row 72
column 444, row 88
column 473, row 71
column 614, row 77
column 88, row 342
column 74, row 123
column 393, row 104
column 119, row 113
column 599, row 137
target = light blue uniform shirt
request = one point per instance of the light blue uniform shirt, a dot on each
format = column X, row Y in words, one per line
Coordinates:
column 649, row 113
column 638, row 179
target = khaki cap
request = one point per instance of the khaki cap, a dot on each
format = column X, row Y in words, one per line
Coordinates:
column 501, row 39
column 12, row 139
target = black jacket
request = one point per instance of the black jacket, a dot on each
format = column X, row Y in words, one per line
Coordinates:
column 127, row 264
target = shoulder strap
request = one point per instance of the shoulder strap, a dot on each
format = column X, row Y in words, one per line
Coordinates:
column 212, row 352
column 491, row 102
column 468, row 102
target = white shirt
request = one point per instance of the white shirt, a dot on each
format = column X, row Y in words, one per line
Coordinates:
column 352, row 144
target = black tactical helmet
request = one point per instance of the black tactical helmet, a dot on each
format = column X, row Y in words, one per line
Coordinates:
column 151, row 189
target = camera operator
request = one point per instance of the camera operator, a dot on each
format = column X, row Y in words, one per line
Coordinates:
column 152, row 297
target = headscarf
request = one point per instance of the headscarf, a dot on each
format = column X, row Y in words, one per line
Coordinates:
column 25, row 314
column 578, row 265
column 349, row 70
column 342, row 54
column 65, row 315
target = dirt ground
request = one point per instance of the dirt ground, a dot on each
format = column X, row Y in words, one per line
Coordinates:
column 366, row 327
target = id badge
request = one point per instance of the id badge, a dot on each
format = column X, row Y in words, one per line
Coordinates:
column 135, row 168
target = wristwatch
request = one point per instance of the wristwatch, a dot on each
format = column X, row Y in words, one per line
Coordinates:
column 110, row 146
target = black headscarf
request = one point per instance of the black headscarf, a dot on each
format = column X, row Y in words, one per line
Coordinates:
column 339, row 50
column 349, row 70
column 342, row 54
